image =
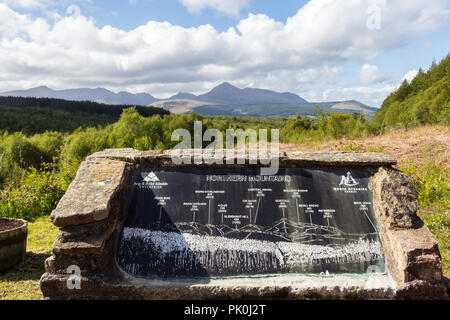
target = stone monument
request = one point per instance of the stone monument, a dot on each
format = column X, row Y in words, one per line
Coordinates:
column 135, row 225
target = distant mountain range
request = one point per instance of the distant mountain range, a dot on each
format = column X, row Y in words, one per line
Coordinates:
column 100, row 95
column 228, row 100
column 226, row 94
column 224, row 99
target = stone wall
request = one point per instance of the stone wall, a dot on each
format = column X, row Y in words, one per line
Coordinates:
column 91, row 214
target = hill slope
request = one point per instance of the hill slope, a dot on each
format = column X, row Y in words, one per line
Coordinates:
column 283, row 110
column 226, row 94
column 425, row 100
column 35, row 115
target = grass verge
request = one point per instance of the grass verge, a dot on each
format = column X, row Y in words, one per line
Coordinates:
column 438, row 221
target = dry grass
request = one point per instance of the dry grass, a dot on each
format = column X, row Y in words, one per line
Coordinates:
column 415, row 144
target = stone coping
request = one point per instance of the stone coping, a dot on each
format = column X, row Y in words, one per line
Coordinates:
column 299, row 158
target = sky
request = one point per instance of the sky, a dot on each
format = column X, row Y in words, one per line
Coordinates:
column 322, row 50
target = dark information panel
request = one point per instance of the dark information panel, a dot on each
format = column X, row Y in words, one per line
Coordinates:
column 224, row 222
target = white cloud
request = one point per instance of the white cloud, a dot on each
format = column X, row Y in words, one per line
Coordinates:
column 229, row 7
column 27, row 4
column 370, row 74
column 40, row 4
column 374, row 97
column 410, row 75
column 301, row 55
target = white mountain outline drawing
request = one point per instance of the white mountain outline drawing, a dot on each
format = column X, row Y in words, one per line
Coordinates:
column 348, row 180
column 151, row 177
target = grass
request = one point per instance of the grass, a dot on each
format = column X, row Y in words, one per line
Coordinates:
column 431, row 181
column 438, row 221
column 22, row 281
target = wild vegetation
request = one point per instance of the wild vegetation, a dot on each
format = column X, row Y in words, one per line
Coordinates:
column 37, row 115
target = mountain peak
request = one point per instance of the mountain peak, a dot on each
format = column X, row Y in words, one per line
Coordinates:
column 225, row 86
column 227, row 94
column 183, row 96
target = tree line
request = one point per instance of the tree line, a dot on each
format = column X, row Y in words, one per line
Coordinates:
column 37, row 115
column 424, row 100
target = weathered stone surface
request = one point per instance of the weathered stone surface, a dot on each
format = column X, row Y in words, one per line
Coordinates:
column 416, row 253
column 411, row 253
column 447, row 284
column 90, row 263
column 84, row 239
column 395, row 198
column 274, row 287
column 339, row 158
column 88, row 197
column 423, row 290
column 287, row 159
column 125, row 155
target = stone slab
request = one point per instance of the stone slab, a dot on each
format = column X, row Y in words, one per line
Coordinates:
column 417, row 254
column 298, row 158
column 89, row 196
column 83, row 239
column 396, row 197
column 339, row 158
column 276, row 287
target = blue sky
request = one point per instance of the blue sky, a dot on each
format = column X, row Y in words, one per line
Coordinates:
column 323, row 50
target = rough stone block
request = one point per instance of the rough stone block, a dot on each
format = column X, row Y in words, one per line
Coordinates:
column 83, row 239
column 395, row 198
column 89, row 196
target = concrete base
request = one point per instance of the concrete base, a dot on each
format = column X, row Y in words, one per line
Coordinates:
column 343, row 286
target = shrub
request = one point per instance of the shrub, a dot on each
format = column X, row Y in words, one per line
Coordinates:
column 37, row 194
column 437, row 222
column 430, row 181
column 19, row 152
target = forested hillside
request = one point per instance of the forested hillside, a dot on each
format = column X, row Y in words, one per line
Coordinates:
column 426, row 100
column 37, row 115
